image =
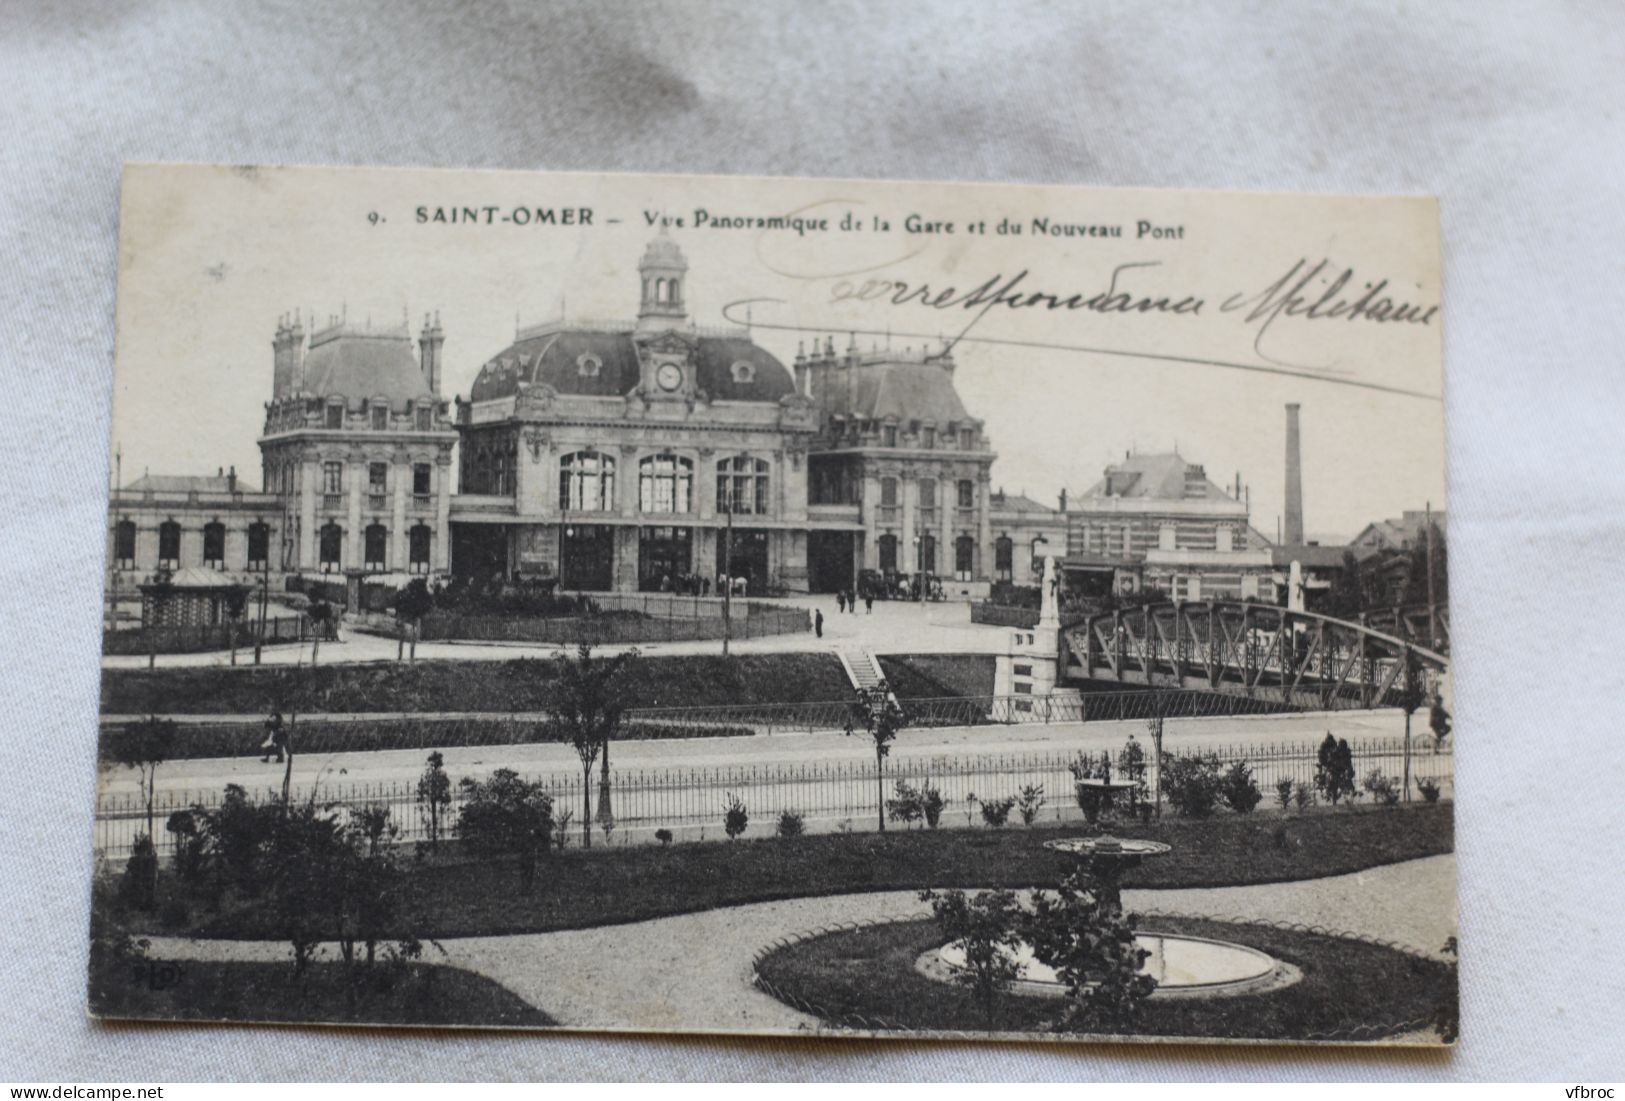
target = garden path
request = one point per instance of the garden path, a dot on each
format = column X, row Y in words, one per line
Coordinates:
column 692, row 971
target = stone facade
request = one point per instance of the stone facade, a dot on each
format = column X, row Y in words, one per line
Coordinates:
column 357, row 449
column 160, row 524
column 617, row 455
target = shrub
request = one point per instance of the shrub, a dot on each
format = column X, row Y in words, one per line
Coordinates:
column 1383, row 789
column 1240, row 790
column 987, row 927
column 790, row 824
column 138, row 887
column 1192, row 783
column 1303, row 796
column 1090, row 944
column 663, row 835
column 734, row 816
column 1429, row 790
column 1283, row 792
column 995, row 812
column 1032, row 799
column 1132, row 766
column 561, row 828
column 906, row 805
column 184, row 827
column 1334, row 769
column 507, row 816
column 931, row 804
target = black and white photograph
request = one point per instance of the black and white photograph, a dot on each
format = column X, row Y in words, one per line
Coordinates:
column 808, row 607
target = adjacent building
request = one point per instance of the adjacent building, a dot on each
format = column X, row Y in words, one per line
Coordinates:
column 1157, row 521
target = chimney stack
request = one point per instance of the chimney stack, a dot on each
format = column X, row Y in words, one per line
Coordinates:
column 1294, row 479
column 1063, row 500
column 429, row 345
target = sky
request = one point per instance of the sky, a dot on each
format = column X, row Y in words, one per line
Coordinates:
column 211, row 258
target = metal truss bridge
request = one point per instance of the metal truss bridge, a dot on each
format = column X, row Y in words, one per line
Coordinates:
column 1300, row 659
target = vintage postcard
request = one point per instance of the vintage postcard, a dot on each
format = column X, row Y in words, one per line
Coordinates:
column 792, row 606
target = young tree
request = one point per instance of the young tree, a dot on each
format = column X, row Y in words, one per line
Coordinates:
column 1090, row 944
column 1413, row 694
column 235, row 600
column 507, row 816
column 434, row 794
column 987, row 928
column 412, row 603
column 586, row 712
column 1346, row 597
column 143, row 746
column 876, row 713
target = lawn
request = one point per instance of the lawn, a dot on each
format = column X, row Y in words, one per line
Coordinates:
column 453, row 896
column 523, row 684
column 1350, row 989
column 416, row 994
column 935, row 676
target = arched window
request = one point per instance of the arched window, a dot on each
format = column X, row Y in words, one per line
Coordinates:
column 259, row 545
column 1004, row 558
column 665, row 484
column 214, row 545
column 964, row 557
column 330, row 550
column 928, row 554
column 742, row 485
column 587, row 482
column 888, row 553
column 169, row 545
column 417, row 543
column 124, row 545
column 967, row 494
column 375, row 539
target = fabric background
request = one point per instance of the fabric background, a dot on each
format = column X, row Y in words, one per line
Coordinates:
column 1511, row 113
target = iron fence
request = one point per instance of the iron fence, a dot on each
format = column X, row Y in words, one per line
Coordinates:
column 365, row 732
column 198, row 637
column 841, row 794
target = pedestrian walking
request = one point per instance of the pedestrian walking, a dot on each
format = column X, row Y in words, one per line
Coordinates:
column 840, row 599
column 818, row 622
column 869, row 603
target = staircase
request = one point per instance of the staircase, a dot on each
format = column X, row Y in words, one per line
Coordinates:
column 862, row 668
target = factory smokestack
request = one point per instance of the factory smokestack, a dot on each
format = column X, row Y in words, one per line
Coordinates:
column 1294, row 479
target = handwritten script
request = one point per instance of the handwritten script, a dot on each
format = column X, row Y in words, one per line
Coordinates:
column 1310, row 290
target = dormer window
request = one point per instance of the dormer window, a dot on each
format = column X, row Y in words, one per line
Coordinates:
column 743, row 371
column 588, row 365
column 425, row 415
column 929, row 437
column 335, row 416
column 380, row 417
column 888, row 435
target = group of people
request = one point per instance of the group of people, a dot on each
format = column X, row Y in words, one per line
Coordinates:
column 848, row 601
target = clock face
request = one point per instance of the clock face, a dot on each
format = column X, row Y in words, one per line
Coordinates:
column 669, row 376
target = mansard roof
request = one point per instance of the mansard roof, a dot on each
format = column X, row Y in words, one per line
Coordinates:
column 358, row 363
column 601, row 360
